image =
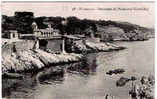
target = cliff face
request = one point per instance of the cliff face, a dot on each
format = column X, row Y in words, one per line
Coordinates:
column 34, row 59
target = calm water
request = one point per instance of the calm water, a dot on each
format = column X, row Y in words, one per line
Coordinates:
column 87, row 79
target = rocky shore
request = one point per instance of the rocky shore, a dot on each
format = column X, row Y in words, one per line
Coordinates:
column 89, row 46
column 35, row 59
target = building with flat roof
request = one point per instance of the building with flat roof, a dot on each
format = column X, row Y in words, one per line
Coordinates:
column 44, row 33
column 10, row 34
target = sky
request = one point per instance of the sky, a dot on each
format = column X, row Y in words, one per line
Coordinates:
column 141, row 13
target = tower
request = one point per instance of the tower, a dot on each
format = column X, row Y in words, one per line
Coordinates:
column 34, row 26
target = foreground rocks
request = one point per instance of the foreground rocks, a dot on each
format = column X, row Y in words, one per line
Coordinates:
column 116, row 71
column 144, row 90
column 123, row 80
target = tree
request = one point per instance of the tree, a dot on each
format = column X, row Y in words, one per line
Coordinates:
column 39, row 21
column 7, row 23
column 23, row 22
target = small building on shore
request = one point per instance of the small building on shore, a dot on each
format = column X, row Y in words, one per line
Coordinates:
column 44, row 39
column 49, row 38
column 10, row 34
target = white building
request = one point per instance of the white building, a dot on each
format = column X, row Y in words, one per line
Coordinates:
column 48, row 32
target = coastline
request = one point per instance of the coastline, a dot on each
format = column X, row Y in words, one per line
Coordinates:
column 35, row 59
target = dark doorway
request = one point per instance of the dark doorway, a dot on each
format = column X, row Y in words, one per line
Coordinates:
column 43, row 44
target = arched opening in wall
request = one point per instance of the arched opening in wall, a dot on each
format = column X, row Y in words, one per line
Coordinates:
column 43, row 44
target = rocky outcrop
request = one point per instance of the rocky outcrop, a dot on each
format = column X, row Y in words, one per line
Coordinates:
column 143, row 90
column 34, row 59
column 95, row 47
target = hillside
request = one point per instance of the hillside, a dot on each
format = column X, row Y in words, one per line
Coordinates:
column 22, row 23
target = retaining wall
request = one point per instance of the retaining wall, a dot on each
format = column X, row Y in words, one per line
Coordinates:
column 20, row 46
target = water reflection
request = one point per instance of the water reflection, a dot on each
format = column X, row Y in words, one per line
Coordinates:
column 54, row 74
column 87, row 66
column 18, row 88
column 76, row 81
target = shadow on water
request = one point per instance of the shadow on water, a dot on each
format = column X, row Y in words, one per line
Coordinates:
column 56, row 74
column 52, row 75
column 87, row 66
column 18, row 88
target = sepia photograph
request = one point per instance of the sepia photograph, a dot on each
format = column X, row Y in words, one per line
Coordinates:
column 78, row 50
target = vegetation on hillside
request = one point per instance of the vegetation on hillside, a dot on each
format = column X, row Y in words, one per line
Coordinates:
column 22, row 21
